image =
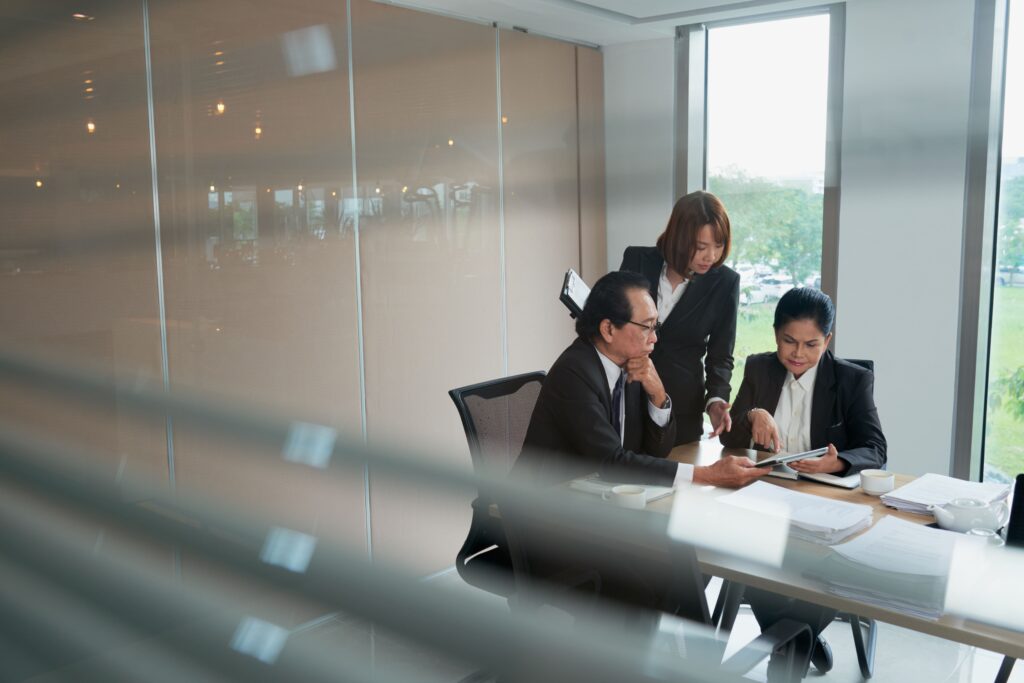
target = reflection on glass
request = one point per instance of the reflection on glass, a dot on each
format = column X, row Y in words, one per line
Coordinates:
column 541, row 193
column 427, row 205
column 259, row 261
column 292, row 550
column 260, row 639
column 769, row 169
column 1004, row 426
column 77, row 273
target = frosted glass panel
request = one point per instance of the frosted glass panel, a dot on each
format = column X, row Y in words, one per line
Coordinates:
column 254, row 164
column 77, row 268
column 427, row 153
column 538, row 100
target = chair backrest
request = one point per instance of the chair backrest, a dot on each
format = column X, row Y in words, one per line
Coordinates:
column 866, row 364
column 495, row 416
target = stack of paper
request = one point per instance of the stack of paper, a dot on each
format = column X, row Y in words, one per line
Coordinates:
column 896, row 565
column 936, row 489
column 594, row 484
column 812, row 518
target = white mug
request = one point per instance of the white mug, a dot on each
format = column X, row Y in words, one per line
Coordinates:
column 877, row 482
column 627, row 496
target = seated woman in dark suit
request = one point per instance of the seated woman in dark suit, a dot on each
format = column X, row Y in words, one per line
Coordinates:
column 697, row 299
column 802, row 397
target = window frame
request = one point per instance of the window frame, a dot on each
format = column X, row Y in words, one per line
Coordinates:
column 691, row 87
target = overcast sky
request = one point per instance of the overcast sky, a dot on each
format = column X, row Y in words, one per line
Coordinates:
column 767, row 85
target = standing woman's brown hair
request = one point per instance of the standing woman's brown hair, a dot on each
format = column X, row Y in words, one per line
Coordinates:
column 678, row 244
column 698, row 300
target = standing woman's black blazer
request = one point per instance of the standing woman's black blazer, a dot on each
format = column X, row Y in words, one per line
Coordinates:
column 701, row 327
column 843, row 410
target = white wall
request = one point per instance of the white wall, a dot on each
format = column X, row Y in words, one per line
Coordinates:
column 638, row 110
column 905, row 108
column 905, row 103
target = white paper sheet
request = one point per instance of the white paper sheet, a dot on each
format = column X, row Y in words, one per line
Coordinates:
column 936, row 489
column 807, row 511
column 895, row 545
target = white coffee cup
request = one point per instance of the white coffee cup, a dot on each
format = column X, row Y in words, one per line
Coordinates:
column 628, row 496
column 877, row 482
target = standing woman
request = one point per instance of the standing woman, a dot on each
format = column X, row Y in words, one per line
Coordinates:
column 697, row 299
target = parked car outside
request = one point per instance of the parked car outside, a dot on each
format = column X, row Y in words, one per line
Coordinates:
column 774, row 287
column 1008, row 276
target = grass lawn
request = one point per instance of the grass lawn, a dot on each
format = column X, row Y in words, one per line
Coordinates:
column 1004, row 435
column 754, row 334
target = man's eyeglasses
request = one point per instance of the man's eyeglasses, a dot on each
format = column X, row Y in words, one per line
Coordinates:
column 651, row 329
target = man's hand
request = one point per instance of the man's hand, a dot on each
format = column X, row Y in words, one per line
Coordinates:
column 763, row 429
column 732, row 471
column 827, row 463
column 721, row 421
column 641, row 369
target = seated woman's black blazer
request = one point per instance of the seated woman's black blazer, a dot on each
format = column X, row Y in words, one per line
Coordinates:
column 843, row 410
column 693, row 355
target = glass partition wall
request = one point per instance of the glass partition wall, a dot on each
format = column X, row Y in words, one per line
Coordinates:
column 329, row 211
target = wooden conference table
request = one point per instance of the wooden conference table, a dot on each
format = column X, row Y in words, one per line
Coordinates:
column 750, row 573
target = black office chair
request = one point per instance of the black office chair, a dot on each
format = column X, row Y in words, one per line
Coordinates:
column 495, row 415
column 865, row 631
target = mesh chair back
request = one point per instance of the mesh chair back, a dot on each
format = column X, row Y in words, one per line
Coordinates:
column 495, row 416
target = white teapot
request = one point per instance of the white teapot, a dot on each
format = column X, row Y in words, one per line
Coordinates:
column 964, row 514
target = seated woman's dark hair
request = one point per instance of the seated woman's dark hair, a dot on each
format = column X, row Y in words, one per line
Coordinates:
column 805, row 303
column 608, row 299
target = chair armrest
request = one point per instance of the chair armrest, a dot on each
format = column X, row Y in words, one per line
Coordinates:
column 794, row 635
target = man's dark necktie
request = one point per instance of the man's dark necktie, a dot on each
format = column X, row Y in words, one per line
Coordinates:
column 617, row 403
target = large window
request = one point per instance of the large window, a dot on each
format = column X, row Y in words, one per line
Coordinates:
column 1004, row 429
column 766, row 136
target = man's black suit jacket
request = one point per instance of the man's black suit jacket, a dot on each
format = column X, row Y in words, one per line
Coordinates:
column 843, row 410
column 701, row 326
column 571, row 433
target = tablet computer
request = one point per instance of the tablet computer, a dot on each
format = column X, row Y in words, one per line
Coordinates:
column 784, row 458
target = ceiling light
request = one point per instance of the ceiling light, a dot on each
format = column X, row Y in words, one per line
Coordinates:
column 91, row 127
column 79, row 16
column 220, row 107
column 39, row 183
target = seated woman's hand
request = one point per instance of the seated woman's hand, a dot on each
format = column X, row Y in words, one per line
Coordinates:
column 763, row 429
column 826, row 464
